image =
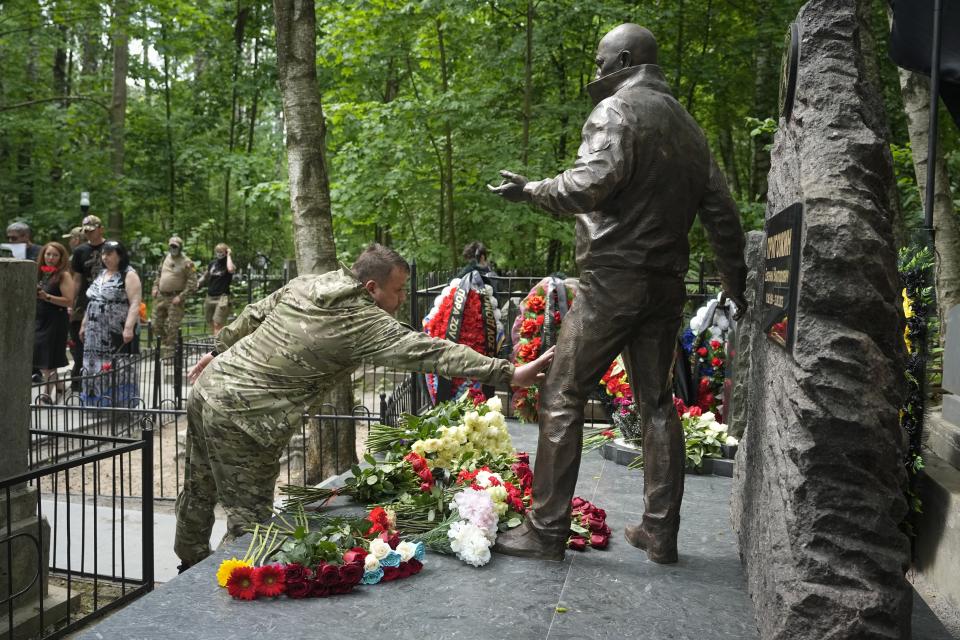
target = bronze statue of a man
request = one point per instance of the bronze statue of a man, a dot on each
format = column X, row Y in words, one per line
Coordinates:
column 643, row 172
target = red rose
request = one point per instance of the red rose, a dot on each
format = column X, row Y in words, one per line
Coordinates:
column 714, row 344
column 393, row 539
column 536, row 304
column 299, row 588
column 390, row 573
column 523, row 457
column 695, row 411
column 269, row 580
column 378, row 521
column 415, row 566
column 403, row 571
column 106, row 366
column 328, row 575
column 356, row 554
column 350, row 574
column 294, row 572
column 678, row 403
column 599, row 541
column 578, row 502
column 702, row 352
column 593, row 522
column 240, row 584
column 704, row 383
column 608, row 434
column 556, row 317
column 716, row 362
column 577, row 543
column 318, row 590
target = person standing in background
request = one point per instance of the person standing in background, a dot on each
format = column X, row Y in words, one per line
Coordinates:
column 86, row 266
column 176, row 279
column 20, row 233
column 219, row 275
column 54, row 296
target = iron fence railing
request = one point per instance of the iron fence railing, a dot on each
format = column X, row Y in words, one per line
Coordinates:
column 83, row 545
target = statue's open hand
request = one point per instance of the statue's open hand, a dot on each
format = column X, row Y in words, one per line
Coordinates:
column 511, row 188
column 532, row 373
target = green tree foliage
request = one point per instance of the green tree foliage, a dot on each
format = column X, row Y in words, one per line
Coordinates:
column 424, row 100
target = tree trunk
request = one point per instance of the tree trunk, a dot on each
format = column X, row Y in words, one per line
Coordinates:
column 118, row 111
column 915, row 89
column 729, row 158
column 239, row 28
column 171, row 161
column 447, row 177
column 310, row 202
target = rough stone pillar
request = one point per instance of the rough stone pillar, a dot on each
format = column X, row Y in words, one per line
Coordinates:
column 18, row 283
column 818, row 487
column 748, row 330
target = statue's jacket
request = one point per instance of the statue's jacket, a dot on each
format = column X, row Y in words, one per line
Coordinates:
column 643, row 172
column 283, row 352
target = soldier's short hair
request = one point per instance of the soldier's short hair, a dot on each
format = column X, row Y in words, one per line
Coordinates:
column 377, row 262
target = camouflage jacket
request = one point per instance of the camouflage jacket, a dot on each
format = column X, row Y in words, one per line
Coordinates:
column 283, row 352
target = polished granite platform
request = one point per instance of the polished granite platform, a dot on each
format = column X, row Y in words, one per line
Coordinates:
column 615, row 593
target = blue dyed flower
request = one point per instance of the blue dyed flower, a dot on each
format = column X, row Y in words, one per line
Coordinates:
column 372, row 577
column 392, row 559
column 420, row 552
column 687, row 341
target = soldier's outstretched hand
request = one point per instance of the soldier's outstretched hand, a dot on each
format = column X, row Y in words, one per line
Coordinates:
column 199, row 367
column 533, row 372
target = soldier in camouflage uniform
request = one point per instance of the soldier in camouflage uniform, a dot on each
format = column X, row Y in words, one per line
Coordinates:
column 176, row 279
column 275, row 360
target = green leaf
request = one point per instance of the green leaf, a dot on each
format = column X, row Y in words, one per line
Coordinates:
column 369, row 459
column 514, row 522
column 372, row 480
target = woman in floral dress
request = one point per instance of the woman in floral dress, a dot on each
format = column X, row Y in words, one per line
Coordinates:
column 108, row 330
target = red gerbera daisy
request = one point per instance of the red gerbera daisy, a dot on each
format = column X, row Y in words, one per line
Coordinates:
column 269, row 581
column 240, row 584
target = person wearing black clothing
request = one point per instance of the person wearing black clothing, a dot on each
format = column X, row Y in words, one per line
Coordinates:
column 86, row 265
column 54, row 295
column 219, row 275
column 20, row 233
column 475, row 254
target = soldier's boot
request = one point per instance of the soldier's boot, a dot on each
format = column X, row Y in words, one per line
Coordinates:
column 659, row 549
column 526, row 541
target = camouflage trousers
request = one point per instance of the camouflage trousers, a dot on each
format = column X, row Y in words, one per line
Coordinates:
column 166, row 319
column 223, row 464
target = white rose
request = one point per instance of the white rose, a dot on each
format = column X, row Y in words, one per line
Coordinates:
column 379, row 549
column 731, row 441
column 708, row 417
column 494, row 404
column 406, row 550
column 370, row 563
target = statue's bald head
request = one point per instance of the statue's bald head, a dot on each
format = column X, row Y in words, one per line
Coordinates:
column 625, row 46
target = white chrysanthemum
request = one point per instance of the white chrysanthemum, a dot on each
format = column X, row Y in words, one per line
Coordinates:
column 471, row 419
column 455, row 283
column 371, row 563
column 708, row 417
column 731, row 441
column 379, row 549
column 494, row 404
column 470, row 543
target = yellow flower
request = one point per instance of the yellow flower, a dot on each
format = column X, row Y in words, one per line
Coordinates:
column 227, row 567
column 907, row 305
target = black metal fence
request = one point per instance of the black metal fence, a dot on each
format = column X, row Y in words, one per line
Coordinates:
column 77, row 544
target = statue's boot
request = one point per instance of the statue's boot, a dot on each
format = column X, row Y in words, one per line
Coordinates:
column 526, row 541
column 658, row 550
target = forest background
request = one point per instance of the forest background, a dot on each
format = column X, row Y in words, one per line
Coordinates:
column 170, row 114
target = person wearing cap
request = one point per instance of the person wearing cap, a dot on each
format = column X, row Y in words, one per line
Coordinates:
column 74, row 238
column 176, row 279
column 85, row 263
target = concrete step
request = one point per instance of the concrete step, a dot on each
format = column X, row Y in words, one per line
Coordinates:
column 938, row 531
column 943, row 438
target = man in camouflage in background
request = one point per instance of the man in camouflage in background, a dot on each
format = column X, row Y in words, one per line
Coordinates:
column 176, row 279
column 275, row 360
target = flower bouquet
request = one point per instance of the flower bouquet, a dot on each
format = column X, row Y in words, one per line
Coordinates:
column 465, row 312
column 536, row 328
column 449, row 477
column 331, row 558
column 705, row 346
